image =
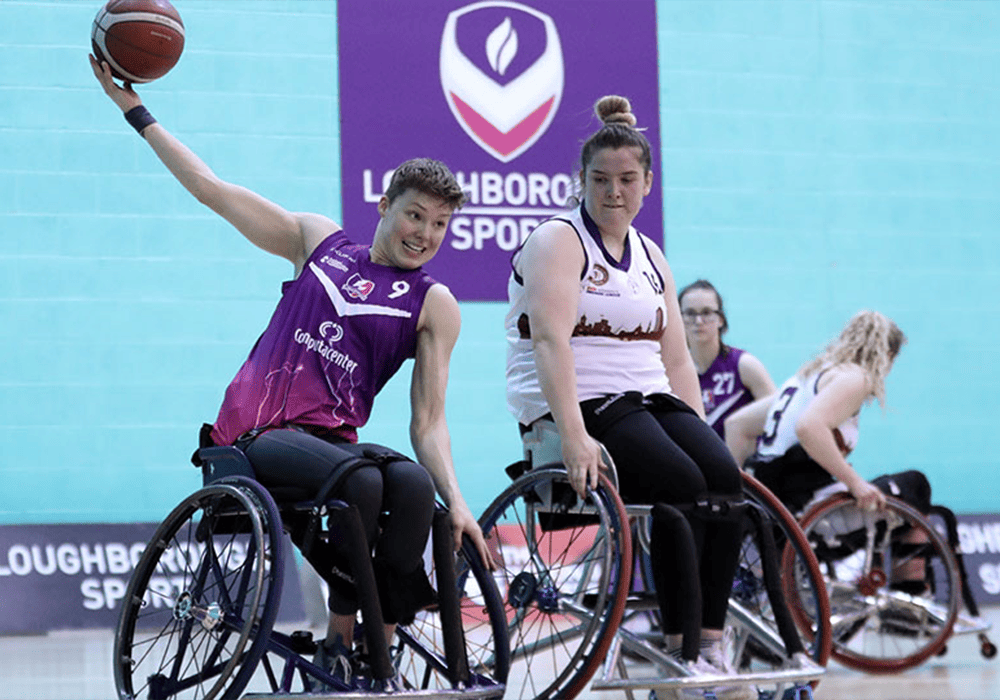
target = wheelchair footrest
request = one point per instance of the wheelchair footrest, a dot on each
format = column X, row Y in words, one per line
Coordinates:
column 493, row 692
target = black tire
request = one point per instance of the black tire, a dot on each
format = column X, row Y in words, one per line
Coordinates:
column 877, row 628
column 564, row 573
column 202, row 601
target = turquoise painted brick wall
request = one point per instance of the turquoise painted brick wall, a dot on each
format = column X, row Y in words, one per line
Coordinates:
column 822, row 157
column 819, row 157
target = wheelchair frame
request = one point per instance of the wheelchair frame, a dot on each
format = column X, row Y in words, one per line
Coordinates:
column 210, row 581
column 567, row 606
column 877, row 628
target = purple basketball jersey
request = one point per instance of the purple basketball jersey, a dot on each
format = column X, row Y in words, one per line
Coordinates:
column 339, row 333
column 722, row 392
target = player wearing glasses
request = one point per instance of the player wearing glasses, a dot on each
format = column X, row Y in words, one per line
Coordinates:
column 730, row 378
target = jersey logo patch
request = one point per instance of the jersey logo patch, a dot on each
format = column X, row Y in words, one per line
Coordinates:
column 331, row 331
column 598, row 276
column 357, row 287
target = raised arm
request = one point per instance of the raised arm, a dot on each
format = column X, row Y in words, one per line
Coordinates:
column 437, row 332
column 265, row 224
column 550, row 265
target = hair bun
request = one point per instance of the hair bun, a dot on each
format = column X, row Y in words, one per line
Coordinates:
column 615, row 109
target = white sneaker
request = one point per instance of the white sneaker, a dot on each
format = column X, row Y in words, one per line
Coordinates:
column 707, row 667
column 719, row 654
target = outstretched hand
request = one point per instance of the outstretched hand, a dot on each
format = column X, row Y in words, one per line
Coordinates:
column 125, row 97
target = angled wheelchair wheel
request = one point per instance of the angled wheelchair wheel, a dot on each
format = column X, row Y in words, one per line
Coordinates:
column 760, row 631
column 892, row 580
column 420, row 652
column 202, row 600
column 564, row 570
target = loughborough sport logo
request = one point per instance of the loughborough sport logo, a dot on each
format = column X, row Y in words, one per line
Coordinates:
column 502, row 74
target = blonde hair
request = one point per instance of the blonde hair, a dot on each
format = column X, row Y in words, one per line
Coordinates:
column 869, row 340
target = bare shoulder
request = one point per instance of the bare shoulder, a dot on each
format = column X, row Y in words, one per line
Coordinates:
column 553, row 249
column 315, row 228
column 551, row 235
column 754, row 375
column 845, row 377
column 440, row 313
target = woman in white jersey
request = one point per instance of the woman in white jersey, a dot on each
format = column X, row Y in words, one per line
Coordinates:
column 596, row 344
column 804, row 433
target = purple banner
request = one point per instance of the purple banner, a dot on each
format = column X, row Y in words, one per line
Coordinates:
column 503, row 92
column 61, row 577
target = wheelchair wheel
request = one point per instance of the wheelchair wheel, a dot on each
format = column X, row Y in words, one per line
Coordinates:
column 893, row 583
column 202, row 600
column 564, row 569
column 419, row 649
column 758, row 639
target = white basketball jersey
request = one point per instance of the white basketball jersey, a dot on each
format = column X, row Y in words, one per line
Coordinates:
column 621, row 316
column 789, row 403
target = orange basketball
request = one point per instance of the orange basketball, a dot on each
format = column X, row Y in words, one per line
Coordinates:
column 140, row 39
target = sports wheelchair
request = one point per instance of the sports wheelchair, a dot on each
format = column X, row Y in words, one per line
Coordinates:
column 198, row 614
column 566, row 573
column 896, row 584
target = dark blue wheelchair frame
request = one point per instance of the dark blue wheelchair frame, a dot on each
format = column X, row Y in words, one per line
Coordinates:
column 229, row 495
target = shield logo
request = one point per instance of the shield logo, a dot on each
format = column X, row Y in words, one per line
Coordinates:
column 358, row 287
column 502, row 74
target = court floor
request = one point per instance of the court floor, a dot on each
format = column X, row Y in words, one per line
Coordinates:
column 77, row 666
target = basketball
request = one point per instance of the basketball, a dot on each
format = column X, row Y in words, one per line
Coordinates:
column 140, row 39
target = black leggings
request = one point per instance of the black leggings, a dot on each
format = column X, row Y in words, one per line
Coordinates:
column 665, row 453
column 400, row 487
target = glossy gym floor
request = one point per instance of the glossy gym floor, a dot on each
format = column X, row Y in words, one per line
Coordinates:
column 77, row 666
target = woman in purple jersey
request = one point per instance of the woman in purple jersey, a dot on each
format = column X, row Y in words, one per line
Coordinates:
column 596, row 345
column 344, row 324
column 730, row 378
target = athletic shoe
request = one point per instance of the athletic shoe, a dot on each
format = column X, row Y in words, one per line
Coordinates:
column 334, row 658
column 702, row 667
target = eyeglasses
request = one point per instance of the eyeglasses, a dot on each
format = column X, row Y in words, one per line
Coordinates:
column 693, row 315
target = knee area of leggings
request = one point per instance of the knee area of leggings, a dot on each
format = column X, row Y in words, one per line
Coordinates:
column 364, row 485
column 667, row 515
column 411, row 480
column 725, row 480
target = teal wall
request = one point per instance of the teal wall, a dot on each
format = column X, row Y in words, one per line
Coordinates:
column 820, row 156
